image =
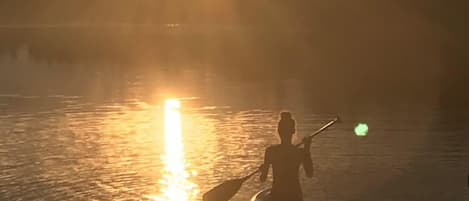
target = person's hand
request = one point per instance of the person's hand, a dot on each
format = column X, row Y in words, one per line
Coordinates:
column 263, row 171
column 261, row 167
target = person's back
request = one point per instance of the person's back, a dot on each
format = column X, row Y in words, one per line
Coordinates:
column 286, row 160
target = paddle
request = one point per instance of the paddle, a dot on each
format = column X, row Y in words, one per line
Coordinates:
column 335, row 120
column 228, row 189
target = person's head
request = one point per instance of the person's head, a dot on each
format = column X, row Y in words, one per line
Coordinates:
column 286, row 127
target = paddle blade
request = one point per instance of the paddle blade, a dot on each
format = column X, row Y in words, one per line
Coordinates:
column 224, row 191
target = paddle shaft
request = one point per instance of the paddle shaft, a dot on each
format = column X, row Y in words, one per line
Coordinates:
column 320, row 130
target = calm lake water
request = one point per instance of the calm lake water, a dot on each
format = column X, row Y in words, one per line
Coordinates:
column 102, row 136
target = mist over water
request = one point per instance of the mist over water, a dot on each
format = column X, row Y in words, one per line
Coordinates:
column 82, row 96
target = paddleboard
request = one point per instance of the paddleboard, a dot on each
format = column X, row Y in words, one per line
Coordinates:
column 263, row 195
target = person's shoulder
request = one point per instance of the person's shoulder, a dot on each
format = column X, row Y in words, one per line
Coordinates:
column 273, row 147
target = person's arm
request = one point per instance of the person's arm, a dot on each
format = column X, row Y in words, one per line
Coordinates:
column 265, row 167
column 307, row 162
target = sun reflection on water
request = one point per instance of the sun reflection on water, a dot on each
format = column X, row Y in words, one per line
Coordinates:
column 176, row 185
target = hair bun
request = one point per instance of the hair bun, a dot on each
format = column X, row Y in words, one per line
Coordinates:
column 286, row 122
column 285, row 116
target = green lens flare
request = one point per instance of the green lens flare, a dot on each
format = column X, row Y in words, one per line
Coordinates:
column 361, row 129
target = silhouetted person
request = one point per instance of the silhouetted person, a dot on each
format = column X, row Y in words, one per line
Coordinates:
column 286, row 159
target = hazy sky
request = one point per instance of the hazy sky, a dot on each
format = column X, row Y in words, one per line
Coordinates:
column 155, row 11
column 385, row 41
